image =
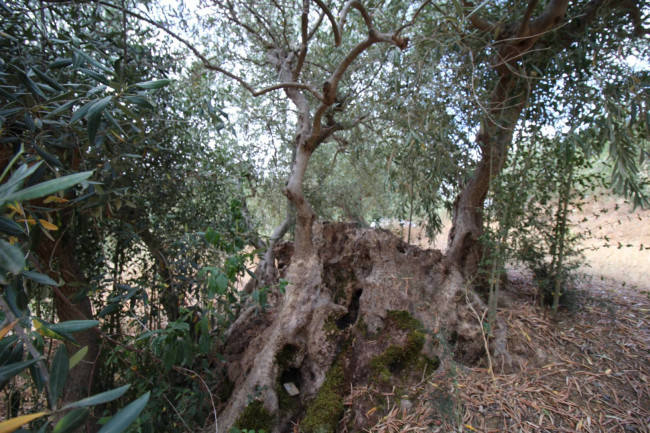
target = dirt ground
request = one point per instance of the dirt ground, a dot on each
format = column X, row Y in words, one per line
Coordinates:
column 586, row 371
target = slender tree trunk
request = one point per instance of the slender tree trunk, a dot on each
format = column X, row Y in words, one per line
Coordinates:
column 59, row 261
column 169, row 296
column 305, row 305
column 494, row 138
column 305, row 215
column 497, row 125
column 560, row 237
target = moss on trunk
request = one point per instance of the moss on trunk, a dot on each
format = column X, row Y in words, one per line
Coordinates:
column 255, row 417
column 325, row 411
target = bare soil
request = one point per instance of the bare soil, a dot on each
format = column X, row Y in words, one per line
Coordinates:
column 587, row 372
column 617, row 241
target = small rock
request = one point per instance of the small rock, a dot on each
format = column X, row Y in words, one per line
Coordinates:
column 406, row 405
column 291, row 388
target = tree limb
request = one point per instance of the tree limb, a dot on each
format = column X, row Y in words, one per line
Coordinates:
column 525, row 21
column 589, row 13
column 330, row 17
column 479, row 22
column 304, row 28
column 330, row 88
column 635, row 14
column 547, row 19
column 358, row 6
column 517, row 40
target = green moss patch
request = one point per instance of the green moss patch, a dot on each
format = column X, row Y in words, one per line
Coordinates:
column 330, row 328
column 396, row 358
column 403, row 320
column 287, row 404
column 325, row 411
column 255, row 417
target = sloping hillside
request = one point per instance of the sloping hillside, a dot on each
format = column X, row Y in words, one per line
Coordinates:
column 618, row 241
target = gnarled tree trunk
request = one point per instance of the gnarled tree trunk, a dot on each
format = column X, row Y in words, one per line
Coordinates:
column 510, row 95
column 495, row 137
column 339, row 311
column 306, row 304
column 503, row 112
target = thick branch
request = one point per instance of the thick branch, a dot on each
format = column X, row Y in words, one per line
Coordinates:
column 358, row 6
column 635, row 14
column 282, row 63
column 518, row 40
column 304, row 27
column 548, row 19
column 330, row 88
column 330, row 17
column 578, row 25
column 525, row 21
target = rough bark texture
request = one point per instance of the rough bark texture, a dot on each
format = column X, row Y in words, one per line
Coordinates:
column 504, row 109
column 59, row 261
column 510, row 95
column 494, row 138
column 342, row 296
column 336, row 329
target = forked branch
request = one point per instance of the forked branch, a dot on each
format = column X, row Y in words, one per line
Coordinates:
column 337, row 26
